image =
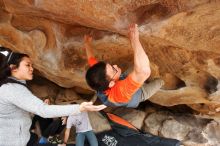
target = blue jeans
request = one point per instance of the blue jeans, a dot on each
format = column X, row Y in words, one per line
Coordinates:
column 80, row 138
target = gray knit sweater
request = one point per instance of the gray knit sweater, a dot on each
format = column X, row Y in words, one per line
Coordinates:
column 16, row 104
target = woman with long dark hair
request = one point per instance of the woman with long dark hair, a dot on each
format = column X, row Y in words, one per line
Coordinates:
column 17, row 101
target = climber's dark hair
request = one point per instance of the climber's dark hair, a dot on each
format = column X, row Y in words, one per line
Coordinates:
column 11, row 58
column 96, row 77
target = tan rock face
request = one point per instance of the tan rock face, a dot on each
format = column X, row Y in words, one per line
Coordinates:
column 181, row 38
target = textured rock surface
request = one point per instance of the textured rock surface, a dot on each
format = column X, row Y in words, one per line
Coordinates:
column 181, row 38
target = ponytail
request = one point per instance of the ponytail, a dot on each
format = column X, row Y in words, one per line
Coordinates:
column 5, row 70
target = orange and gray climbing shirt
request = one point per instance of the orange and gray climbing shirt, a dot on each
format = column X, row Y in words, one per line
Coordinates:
column 126, row 92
